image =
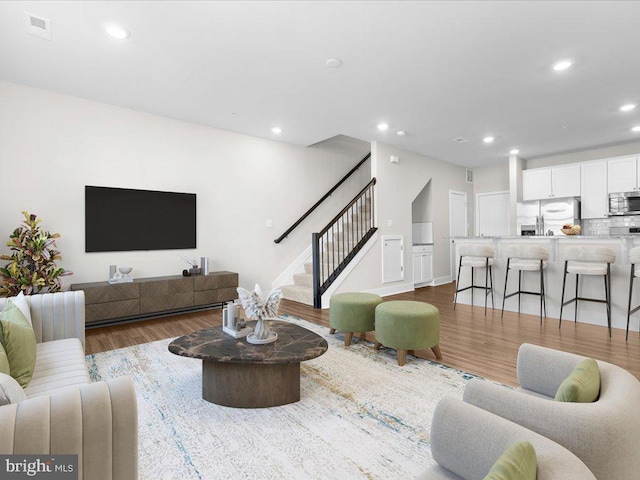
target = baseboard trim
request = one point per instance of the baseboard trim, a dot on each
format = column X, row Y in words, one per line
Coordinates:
column 442, row 280
column 393, row 289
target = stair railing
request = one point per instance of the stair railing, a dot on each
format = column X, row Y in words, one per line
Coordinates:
column 341, row 240
column 319, row 202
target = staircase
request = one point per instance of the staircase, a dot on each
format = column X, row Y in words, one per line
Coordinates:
column 334, row 247
column 302, row 289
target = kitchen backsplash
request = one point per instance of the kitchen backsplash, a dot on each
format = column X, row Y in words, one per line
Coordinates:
column 600, row 226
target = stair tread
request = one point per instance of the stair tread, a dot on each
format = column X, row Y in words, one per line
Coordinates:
column 298, row 294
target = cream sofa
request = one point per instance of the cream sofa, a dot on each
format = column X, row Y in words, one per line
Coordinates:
column 64, row 413
column 604, row 434
column 466, row 441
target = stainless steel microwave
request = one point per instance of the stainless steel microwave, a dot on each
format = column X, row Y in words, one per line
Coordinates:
column 625, row 203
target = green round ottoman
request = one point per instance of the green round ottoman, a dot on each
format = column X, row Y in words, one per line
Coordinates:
column 408, row 326
column 352, row 312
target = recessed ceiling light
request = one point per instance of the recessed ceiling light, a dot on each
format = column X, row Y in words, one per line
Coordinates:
column 628, row 107
column 383, row 126
column 515, row 151
column 116, row 31
column 276, row 130
column 488, row 139
column 636, row 128
column 334, row 63
column 562, row 65
column 401, row 133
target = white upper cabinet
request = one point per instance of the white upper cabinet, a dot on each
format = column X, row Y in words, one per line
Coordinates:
column 565, row 181
column 536, row 184
column 554, row 182
column 623, row 174
column 593, row 185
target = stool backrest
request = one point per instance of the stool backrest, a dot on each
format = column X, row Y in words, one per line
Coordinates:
column 589, row 254
column 634, row 255
column 471, row 250
column 527, row 252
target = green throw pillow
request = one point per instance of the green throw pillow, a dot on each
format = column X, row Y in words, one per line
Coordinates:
column 4, row 361
column 518, row 462
column 19, row 343
column 583, row 385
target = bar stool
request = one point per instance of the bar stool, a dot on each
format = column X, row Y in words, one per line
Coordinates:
column 587, row 260
column 526, row 258
column 476, row 256
column 634, row 257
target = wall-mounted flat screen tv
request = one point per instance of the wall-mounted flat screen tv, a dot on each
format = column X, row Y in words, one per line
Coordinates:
column 121, row 219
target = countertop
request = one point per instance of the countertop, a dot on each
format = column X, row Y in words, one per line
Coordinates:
column 547, row 237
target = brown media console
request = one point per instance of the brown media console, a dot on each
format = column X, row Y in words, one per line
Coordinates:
column 107, row 303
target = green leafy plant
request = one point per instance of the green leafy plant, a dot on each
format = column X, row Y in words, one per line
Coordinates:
column 32, row 263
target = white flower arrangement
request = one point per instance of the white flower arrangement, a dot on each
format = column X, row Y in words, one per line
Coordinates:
column 258, row 307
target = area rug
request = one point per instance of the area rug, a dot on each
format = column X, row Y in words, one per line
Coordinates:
column 360, row 416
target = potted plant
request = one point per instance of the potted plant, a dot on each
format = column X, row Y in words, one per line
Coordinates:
column 32, row 263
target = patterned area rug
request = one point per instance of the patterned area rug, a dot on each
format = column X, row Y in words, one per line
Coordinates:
column 360, row 416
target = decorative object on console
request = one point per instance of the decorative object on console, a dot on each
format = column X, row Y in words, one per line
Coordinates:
column 122, row 276
column 232, row 324
column 204, row 265
column 32, row 267
column 260, row 308
column 193, row 266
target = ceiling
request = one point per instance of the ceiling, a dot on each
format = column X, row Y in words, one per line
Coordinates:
column 437, row 70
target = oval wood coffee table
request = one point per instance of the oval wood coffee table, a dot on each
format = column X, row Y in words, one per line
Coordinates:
column 238, row 374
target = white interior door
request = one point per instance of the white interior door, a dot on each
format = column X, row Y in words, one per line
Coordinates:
column 492, row 214
column 457, row 223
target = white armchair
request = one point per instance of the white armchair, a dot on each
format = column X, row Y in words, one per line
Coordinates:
column 64, row 413
column 604, row 434
column 466, row 441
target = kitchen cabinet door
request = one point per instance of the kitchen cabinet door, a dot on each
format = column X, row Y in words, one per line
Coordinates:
column 593, row 185
column 565, row 181
column 536, row 184
column 622, row 174
column 422, row 268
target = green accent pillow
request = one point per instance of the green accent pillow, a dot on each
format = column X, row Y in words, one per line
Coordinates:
column 4, row 360
column 518, row 462
column 583, row 385
column 19, row 343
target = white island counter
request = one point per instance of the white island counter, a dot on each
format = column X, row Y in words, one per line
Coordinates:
column 590, row 287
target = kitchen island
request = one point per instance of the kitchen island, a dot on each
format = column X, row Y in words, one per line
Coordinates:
column 590, row 287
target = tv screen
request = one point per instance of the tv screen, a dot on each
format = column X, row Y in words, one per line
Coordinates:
column 121, row 219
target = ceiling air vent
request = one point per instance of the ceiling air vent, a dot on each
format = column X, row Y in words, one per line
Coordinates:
column 461, row 140
column 469, row 175
column 38, row 26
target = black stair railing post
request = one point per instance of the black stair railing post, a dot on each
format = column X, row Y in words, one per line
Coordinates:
column 357, row 234
column 315, row 252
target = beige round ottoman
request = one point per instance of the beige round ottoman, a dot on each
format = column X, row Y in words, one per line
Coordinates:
column 408, row 326
column 352, row 312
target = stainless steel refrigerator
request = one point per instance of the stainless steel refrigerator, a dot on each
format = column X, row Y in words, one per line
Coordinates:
column 547, row 216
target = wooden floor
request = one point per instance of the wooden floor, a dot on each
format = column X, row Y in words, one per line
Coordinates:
column 486, row 346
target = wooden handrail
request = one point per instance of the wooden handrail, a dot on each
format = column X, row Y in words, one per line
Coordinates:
column 317, row 204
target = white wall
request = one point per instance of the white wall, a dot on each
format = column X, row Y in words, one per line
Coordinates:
column 494, row 178
column 52, row 145
column 422, row 206
column 585, row 155
column 397, row 187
